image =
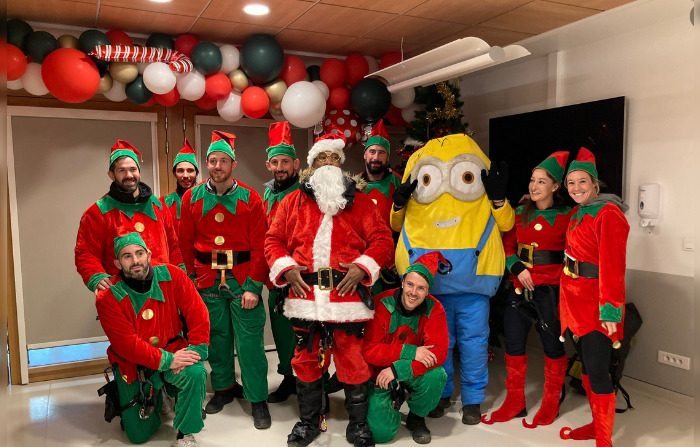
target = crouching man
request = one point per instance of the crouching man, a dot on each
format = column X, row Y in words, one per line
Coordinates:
column 144, row 315
column 406, row 345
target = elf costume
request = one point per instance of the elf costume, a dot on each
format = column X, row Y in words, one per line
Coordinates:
column 173, row 201
column 144, row 328
column 118, row 213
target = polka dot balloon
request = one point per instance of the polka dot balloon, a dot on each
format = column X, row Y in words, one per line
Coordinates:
column 344, row 122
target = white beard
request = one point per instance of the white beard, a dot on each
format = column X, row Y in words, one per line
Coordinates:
column 329, row 186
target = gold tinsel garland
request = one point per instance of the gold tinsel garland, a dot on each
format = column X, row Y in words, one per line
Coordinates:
column 449, row 111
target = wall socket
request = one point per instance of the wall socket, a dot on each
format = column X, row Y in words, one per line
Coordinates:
column 675, row 360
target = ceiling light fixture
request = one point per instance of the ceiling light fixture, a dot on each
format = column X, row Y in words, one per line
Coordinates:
column 161, row 1
column 256, row 9
column 449, row 61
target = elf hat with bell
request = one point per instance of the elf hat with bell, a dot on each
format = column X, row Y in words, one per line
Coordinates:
column 329, row 142
column 427, row 265
column 555, row 164
column 132, row 238
column 222, row 142
column 585, row 161
column 280, row 140
column 186, row 154
column 123, row 148
column 379, row 136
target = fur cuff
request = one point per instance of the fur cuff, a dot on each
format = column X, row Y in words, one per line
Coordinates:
column 278, row 268
column 370, row 267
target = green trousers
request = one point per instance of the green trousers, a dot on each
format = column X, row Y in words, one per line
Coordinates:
column 242, row 329
column 190, row 384
column 423, row 395
column 283, row 334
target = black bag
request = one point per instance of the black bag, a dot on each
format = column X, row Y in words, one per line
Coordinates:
column 109, row 390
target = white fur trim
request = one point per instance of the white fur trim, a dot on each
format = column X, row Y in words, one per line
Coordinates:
column 336, row 146
column 370, row 266
column 322, row 243
column 321, row 309
column 279, row 266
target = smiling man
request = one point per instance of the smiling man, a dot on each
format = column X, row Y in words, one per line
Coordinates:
column 185, row 170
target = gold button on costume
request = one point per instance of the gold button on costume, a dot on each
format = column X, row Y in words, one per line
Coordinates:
column 138, row 226
column 219, row 240
column 538, row 227
column 219, row 217
column 154, row 341
column 147, row 314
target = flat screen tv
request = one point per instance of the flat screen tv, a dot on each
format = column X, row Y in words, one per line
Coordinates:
column 525, row 139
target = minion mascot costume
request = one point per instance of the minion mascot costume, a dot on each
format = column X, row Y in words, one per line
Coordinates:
column 451, row 201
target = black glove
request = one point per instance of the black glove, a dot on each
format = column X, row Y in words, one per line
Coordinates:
column 495, row 181
column 403, row 193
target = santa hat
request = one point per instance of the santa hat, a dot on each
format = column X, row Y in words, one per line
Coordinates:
column 379, row 136
column 280, row 138
column 186, row 154
column 132, row 238
column 427, row 265
column 555, row 164
column 330, row 142
column 222, row 142
column 123, row 148
column 585, row 161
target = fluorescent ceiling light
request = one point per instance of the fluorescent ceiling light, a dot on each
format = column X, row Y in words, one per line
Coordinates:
column 256, row 9
column 161, row 1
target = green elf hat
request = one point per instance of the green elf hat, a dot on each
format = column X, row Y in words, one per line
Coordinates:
column 585, row 161
column 280, row 138
column 222, row 142
column 123, row 148
column 379, row 136
column 186, row 154
column 427, row 265
column 132, row 238
column 555, row 164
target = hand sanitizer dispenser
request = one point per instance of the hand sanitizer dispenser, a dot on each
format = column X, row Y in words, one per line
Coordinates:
column 649, row 204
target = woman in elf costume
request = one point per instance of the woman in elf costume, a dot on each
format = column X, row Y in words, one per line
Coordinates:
column 534, row 251
column 593, row 290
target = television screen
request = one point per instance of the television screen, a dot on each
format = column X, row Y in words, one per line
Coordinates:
column 525, row 139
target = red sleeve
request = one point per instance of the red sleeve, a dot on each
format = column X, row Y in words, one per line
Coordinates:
column 89, row 244
column 612, row 231
column 275, row 247
column 434, row 333
column 191, row 307
column 187, row 231
column 380, row 244
column 257, row 229
column 171, row 234
column 377, row 353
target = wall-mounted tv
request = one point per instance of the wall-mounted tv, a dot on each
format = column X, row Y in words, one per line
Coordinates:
column 525, row 139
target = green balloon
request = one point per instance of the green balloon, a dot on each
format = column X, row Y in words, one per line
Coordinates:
column 160, row 40
column 206, row 58
column 17, row 32
column 39, row 45
column 262, row 58
column 370, row 99
column 88, row 40
column 137, row 92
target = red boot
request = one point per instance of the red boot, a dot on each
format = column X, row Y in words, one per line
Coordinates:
column 603, row 407
column 514, row 405
column 585, row 431
column 554, row 375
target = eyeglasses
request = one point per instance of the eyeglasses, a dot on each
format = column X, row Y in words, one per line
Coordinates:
column 323, row 156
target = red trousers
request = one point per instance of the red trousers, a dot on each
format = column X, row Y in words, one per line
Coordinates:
column 346, row 352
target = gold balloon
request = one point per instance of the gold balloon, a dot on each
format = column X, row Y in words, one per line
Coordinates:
column 239, row 80
column 123, row 72
column 68, row 41
column 105, row 83
column 276, row 111
column 276, row 90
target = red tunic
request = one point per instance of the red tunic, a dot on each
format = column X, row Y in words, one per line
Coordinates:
column 172, row 202
column 391, row 339
column 108, row 218
column 381, row 192
column 597, row 234
column 271, row 202
column 139, row 337
column 235, row 221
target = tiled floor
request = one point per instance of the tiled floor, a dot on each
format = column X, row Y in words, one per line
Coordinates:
column 69, row 413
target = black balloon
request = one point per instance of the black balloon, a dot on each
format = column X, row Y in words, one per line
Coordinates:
column 314, row 72
column 17, row 32
column 370, row 99
column 137, row 92
column 39, row 44
column 91, row 38
column 262, row 58
column 160, row 40
column 206, row 58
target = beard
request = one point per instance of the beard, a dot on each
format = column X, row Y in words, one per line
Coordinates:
column 137, row 271
column 328, row 184
column 375, row 168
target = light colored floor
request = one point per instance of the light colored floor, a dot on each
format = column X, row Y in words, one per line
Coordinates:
column 69, row 413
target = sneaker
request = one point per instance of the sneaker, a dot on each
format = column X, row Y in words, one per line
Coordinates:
column 186, row 441
column 416, row 425
column 439, row 410
column 471, row 414
column 218, row 400
column 261, row 415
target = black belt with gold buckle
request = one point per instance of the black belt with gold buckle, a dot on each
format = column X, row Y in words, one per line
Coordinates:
column 539, row 257
column 222, row 259
column 575, row 268
column 325, row 278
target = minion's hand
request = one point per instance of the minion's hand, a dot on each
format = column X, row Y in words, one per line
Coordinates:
column 495, row 182
column 403, row 193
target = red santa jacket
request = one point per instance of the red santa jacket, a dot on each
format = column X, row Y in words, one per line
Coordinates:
column 381, row 192
column 234, row 221
column 546, row 230
column 391, row 339
column 597, row 234
column 271, row 202
column 108, row 218
column 302, row 235
column 147, row 336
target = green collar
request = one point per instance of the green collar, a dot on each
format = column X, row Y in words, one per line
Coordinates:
column 108, row 203
column 398, row 320
column 175, row 198
column 229, row 200
column 273, row 197
column 120, row 290
column 384, row 185
column 550, row 214
column 592, row 210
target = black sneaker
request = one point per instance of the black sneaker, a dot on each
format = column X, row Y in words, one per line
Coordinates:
column 286, row 389
column 261, row 415
column 416, row 425
column 471, row 414
column 218, row 400
column 439, row 410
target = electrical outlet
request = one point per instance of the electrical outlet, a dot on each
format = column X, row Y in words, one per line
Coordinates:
column 675, row 360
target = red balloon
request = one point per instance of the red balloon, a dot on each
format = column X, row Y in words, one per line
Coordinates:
column 119, row 37
column 70, row 75
column 333, row 72
column 185, row 43
column 389, row 59
column 206, row 103
column 150, row 102
column 394, row 117
column 16, row 62
column 339, row 98
column 168, row 99
column 217, row 86
column 293, row 70
column 358, row 68
column 254, row 102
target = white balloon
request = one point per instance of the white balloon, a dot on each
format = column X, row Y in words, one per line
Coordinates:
column 403, row 98
column 373, row 64
column 159, row 78
column 117, row 93
column 323, row 87
column 230, row 107
column 409, row 113
column 15, row 85
column 32, row 81
column 191, row 86
column 303, row 104
column 230, row 58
